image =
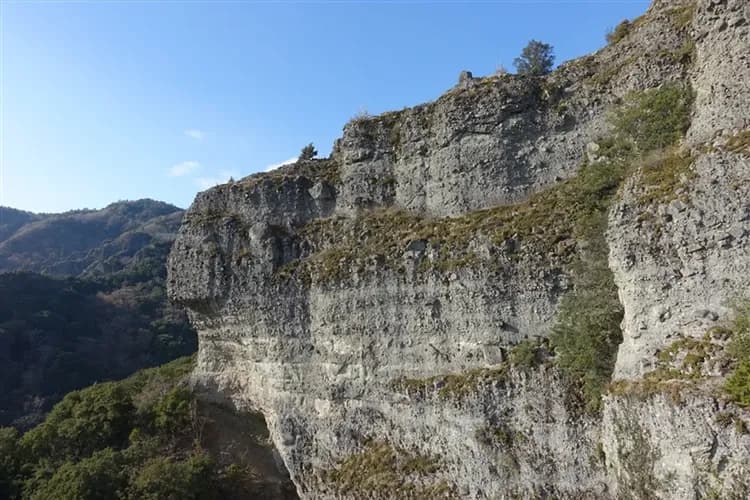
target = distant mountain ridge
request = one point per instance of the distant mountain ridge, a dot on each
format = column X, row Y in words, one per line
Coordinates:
column 11, row 219
column 84, row 242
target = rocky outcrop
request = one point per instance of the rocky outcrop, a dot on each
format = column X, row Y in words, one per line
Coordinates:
column 388, row 309
column 720, row 76
column 681, row 262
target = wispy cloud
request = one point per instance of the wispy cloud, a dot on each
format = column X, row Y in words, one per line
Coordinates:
column 280, row 164
column 184, row 168
column 196, row 134
column 220, row 178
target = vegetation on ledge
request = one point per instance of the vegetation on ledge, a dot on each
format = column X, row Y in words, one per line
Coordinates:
column 679, row 367
column 722, row 354
column 663, row 175
column 382, row 470
column 681, row 16
column 655, row 118
column 453, row 385
column 737, row 385
column 621, row 31
column 739, row 143
column 524, row 356
column 528, row 354
column 548, row 224
column 315, row 169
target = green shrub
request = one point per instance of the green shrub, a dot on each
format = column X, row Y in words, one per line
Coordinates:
column 99, row 477
column 587, row 332
column 737, row 385
column 655, row 118
column 686, row 54
column 10, row 462
column 163, row 478
column 173, row 412
column 84, row 421
column 739, row 346
column 621, row 31
column 526, row 355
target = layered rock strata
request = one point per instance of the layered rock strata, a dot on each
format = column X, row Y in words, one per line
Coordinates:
column 388, row 308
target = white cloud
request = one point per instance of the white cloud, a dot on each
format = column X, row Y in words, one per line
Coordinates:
column 183, row 168
column 196, row 134
column 220, row 178
column 280, row 164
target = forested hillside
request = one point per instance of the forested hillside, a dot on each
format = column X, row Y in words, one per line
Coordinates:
column 148, row 437
column 82, row 300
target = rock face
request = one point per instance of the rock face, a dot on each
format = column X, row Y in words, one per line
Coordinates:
column 388, row 308
column 680, row 265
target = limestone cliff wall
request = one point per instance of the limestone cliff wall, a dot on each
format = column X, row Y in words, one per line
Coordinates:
column 388, row 308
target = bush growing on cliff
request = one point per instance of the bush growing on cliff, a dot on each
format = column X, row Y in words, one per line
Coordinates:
column 536, row 59
column 655, row 118
column 737, row 385
column 621, row 31
column 308, row 152
column 739, row 348
column 526, row 354
column 587, row 333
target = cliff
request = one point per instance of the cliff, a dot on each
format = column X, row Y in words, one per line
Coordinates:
column 532, row 286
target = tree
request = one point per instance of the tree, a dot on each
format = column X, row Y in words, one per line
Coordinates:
column 536, row 59
column 308, row 152
column 10, row 463
column 102, row 475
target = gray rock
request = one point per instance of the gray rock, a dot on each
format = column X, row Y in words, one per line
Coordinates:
column 464, row 78
column 384, row 349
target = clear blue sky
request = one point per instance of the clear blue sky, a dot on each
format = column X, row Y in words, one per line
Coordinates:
column 103, row 101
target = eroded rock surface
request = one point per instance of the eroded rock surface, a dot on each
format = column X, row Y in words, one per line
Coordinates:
column 388, row 308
